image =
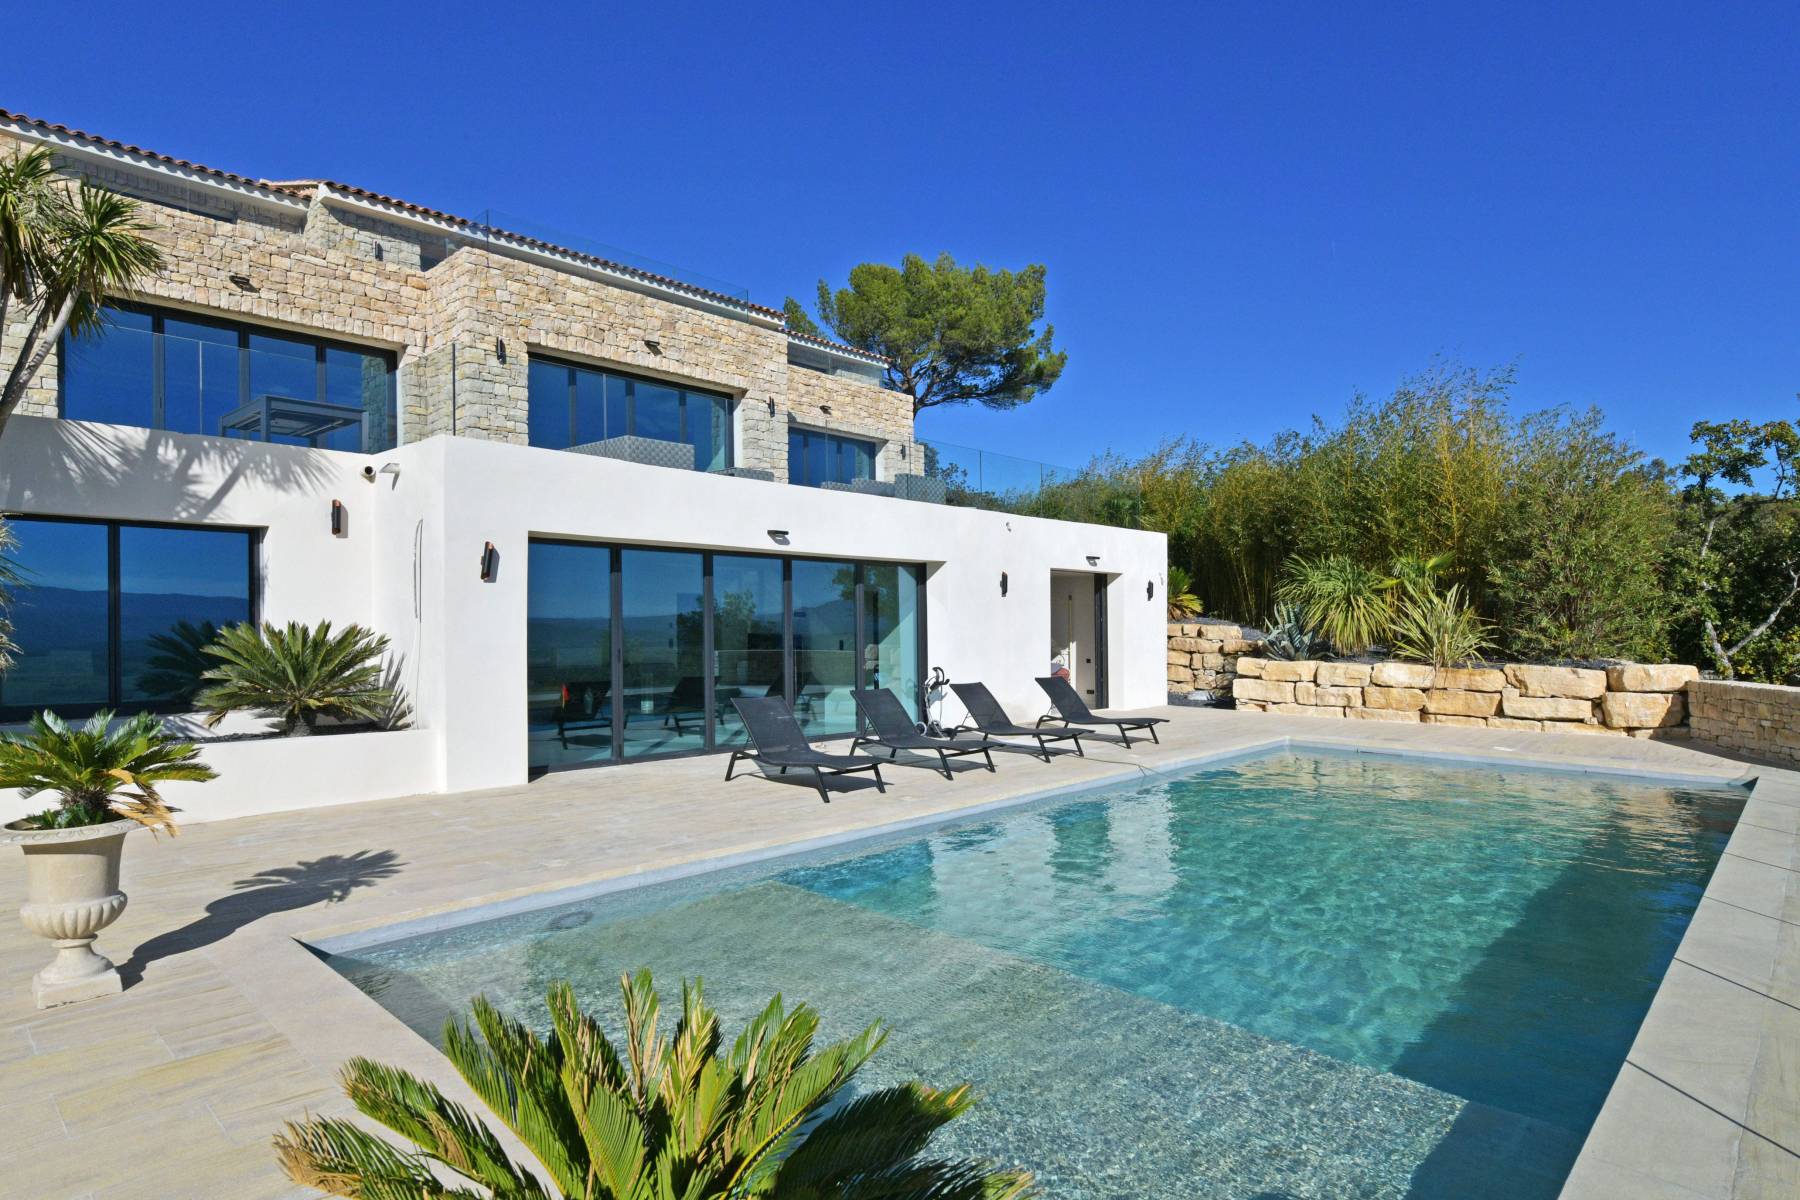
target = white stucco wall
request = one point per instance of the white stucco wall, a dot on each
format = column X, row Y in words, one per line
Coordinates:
column 408, row 565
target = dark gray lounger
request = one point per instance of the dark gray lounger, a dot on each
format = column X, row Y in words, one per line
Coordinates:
column 1071, row 709
column 987, row 718
column 892, row 729
column 780, row 742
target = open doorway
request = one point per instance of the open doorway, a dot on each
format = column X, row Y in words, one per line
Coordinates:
column 1077, row 616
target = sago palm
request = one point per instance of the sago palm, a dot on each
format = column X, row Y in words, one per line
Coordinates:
column 658, row 1118
column 297, row 675
column 93, row 769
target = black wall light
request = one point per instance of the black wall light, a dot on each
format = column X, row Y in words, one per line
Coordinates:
column 1093, row 560
column 778, row 536
column 337, row 518
column 490, row 562
column 1003, row 583
column 500, row 349
column 1150, row 590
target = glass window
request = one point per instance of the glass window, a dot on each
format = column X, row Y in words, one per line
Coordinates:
column 568, row 654
column 110, row 376
column 163, row 370
column 200, row 375
column 113, row 614
column 749, row 646
column 825, row 657
column 177, row 589
column 818, row 458
column 609, row 405
column 891, row 631
column 59, row 617
column 663, row 670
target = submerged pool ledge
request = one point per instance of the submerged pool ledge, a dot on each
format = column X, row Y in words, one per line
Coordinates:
column 1708, row 1101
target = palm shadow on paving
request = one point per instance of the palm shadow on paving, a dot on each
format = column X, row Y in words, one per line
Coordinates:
column 327, row 880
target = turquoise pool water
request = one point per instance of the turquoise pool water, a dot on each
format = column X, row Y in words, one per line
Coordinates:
column 1300, row 975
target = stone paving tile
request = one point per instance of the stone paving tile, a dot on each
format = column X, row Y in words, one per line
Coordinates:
column 233, row 1028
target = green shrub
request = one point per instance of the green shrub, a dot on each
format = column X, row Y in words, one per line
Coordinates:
column 298, row 674
column 1346, row 601
column 1438, row 627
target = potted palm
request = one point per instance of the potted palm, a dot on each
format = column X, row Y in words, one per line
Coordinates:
column 105, row 778
column 683, row 1114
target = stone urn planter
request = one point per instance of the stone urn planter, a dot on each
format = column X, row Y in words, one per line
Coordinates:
column 71, row 894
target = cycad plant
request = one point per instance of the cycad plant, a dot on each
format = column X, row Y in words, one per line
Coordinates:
column 1439, row 627
column 1182, row 601
column 298, row 674
column 99, row 771
column 658, row 1118
column 178, row 661
column 1347, row 601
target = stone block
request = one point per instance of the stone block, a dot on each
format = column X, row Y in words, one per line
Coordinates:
column 1450, row 702
column 1264, row 690
column 1650, row 677
column 1180, row 658
column 1642, row 710
column 1471, row 679
column 1578, row 683
column 1432, row 718
column 1343, row 674
column 1402, row 675
column 1338, row 697
column 1513, row 723
column 1219, row 631
column 1180, row 674
column 1212, row 662
column 1253, row 706
column 1394, row 699
column 1239, row 646
column 1252, row 667
column 1183, row 645
column 1544, row 708
column 1381, row 714
column 1284, row 671
column 1575, row 727
column 1305, row 710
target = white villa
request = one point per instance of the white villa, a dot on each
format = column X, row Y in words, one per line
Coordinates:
column 588, row 503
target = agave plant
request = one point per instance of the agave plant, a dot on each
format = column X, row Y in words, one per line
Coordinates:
column 1292, row 636
column 178, row 662
column 1182, row 601
column 659, row 1118
column 1439, row 628
column 93, row 769
column 297, row 675
column 1349, row 602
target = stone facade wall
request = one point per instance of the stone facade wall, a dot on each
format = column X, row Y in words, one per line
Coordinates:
column 1762, row 719
column 464, row 320
column 1636, row 699
column 1203, row 655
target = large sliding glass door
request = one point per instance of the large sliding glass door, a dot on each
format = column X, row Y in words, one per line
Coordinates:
column 637, row 652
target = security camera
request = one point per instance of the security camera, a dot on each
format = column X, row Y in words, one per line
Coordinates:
column 369, row 474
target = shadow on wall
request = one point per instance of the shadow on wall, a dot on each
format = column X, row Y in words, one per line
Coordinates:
column 193, row 475
column 327, row 880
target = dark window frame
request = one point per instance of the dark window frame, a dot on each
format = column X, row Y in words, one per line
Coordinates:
column 159, row 316
column 836, row 441
column 114, row 639
column 682, row 390
column 616, row 756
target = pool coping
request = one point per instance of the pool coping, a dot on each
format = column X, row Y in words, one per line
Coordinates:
column 1705, row 1105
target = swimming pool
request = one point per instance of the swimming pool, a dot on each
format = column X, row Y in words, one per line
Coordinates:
column 1303, row 974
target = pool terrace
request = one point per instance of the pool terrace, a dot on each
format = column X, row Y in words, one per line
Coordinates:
column 229, row 1026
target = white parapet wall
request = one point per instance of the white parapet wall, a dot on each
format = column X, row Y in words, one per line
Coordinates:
column 264, row 775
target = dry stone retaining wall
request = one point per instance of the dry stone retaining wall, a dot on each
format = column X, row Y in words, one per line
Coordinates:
column 1203, row 655
column 1762, row 719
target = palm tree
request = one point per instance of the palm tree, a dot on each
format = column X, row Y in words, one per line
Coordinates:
column 661, row 1118
column 63, row 249
column 90, row 768
column 298, row 674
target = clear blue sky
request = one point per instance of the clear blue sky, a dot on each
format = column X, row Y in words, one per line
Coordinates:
column 1248, row 212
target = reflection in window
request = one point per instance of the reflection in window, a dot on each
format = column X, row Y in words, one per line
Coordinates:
column 748, row 637
column 568, row 654
column 818, row 458
column 825, row 658
column 189, row 374
column 112, row 614
column 662, row 668
column 573, row 406
column 891, row 631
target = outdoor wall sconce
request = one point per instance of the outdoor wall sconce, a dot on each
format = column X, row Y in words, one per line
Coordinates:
column 771, row 408
column 500, row 349
column 337, row 518
column 826, row 409
column 1093, row 560
column 490, row 562
column 1003, row 584
column 654, row 346
column 778, row 536
column 1150, row 590
column 242, row 283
